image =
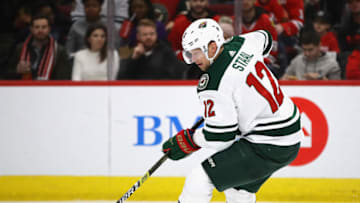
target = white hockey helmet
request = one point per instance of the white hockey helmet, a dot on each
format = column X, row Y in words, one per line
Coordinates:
column 198, row 35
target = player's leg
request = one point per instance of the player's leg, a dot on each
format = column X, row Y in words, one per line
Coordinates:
column 247, row 164
column 239, row 196
column 198, row 187
column 244, row 193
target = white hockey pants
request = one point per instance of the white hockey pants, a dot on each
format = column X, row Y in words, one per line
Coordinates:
column 198, row 189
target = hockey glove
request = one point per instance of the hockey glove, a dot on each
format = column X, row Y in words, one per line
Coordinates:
column 180, row 145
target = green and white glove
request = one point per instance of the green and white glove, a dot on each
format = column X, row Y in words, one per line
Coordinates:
column 180, row 145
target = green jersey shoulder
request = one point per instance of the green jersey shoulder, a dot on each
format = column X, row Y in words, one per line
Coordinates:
column 211, row 79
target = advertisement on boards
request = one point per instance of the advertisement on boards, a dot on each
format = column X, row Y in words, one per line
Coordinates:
column 119, row 130
column 324, row 123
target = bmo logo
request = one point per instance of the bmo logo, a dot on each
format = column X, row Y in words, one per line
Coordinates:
column 315, row 128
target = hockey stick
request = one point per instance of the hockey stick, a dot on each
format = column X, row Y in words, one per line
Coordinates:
column 152, row 170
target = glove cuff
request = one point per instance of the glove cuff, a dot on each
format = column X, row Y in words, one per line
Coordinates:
column 189, row 136
column 186, row 142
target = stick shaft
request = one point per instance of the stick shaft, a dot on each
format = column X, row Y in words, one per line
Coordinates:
column 152, row 169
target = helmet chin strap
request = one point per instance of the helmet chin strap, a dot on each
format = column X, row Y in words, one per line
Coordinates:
column 212, row 58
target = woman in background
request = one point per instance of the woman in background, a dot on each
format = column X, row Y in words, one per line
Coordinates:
column 91, row 62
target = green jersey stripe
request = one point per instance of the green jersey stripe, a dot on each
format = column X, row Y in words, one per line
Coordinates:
column 293, row 128
column 279, row 122
column 220, row 127
column 269, row 40
column 223, row 137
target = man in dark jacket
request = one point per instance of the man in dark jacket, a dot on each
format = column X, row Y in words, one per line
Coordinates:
column 151, row 59
column 40, row 57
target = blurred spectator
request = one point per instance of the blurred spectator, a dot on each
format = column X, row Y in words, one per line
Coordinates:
column 60, row 25
column 15, row 20
column 121, row 11
column 8, row 10
column 138, row 10
column 322, row 26
column 313, row 64
column 255, row 18
column 198, row 9
column 92, row 63
column 311, row 7
column 335, row 9
column 349, row 30
column 75, row 38
column 183, row 7
column 40, row 57
column 21, row 23
column 151, row 58
column 227, row 25
column 295, row 10
column 276, row 12
column 66, row 7
column 288, row 32
column 353, row 66
column 165, row 10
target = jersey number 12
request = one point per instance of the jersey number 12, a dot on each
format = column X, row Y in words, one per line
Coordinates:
column 209, row 112
column 251, row 80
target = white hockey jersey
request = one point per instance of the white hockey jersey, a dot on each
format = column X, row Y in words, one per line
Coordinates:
column 242, row 98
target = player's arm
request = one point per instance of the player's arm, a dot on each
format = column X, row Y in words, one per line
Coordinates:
column 221, row 124
column 261, row 38
column 210, row 137
column 219, row 131
column 270, row 29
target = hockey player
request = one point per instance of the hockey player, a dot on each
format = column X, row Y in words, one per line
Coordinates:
column 252, row 124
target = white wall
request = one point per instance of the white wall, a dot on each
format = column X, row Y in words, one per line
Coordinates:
column 93, row 130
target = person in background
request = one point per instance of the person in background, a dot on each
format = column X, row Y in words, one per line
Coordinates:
column 328, row 38
column 166, row 10
column 313, row 63
column 120, row 11
column 15, row 22
column 91, row 63
column 335, row 9
column 60, row 25
column 255, row 18
column 227, row 25
column 65, row 7
column 293, row 25
column 138, row 10
column 353, row 66
column 40, row 57
column 151, row 59
column 288, row 32
column 21, row 23
column 349, row 30
column 198, row 9
column 76, row 35
column 311, row 8
column 348, row 33
column 274, row 9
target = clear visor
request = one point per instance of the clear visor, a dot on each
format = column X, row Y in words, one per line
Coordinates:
column 192, row 56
